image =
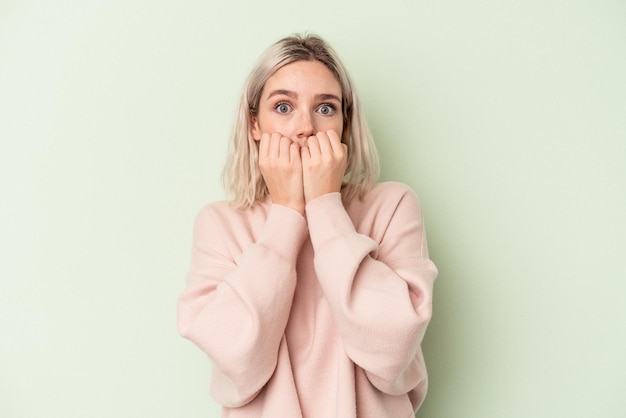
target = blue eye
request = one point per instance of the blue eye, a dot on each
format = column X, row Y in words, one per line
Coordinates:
column 282, row 108
column 326, row 109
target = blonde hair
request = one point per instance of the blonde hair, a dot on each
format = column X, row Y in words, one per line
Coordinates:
column 242, row 178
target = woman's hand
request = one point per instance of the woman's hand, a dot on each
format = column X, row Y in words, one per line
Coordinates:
column 324, row 162
column 281, row 166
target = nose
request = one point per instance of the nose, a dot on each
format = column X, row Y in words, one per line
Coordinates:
column 305, row 126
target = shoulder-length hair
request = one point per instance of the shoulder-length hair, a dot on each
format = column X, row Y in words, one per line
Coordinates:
column 242, row 178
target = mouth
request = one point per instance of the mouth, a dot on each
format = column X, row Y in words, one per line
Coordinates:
column 300, row 141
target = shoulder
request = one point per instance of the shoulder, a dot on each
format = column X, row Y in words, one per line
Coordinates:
column 390, row 190
column 214, row 211
column 224, row 208
column 222, row 214
column 387, row 195
column 386, row 203
column 218, row 207
column 226, row 229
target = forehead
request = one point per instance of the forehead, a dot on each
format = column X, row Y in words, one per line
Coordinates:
column 304, row 77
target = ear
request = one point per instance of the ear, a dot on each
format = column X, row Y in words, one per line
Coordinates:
column 254, row 128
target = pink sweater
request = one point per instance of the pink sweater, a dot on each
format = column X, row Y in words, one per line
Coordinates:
column 316, row 317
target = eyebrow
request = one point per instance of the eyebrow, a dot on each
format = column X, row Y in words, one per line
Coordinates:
column 328, row 97
column 287, row 93
column 294, row 95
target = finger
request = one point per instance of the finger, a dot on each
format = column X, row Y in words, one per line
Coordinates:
column 335, row 141
column 305, row 155
column 294, row 154
column 274, row 146
column 313, row 145
column 284, row 147
column 264, row 145
column 324, row 143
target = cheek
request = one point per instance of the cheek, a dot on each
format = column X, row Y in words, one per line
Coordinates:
column 325, row 124
column 338, row 126
column 270, row 124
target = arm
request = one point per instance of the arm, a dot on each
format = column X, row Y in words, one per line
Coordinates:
column 235, row 307
column 379, row 294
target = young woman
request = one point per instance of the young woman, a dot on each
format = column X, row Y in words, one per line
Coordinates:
column 311, row 289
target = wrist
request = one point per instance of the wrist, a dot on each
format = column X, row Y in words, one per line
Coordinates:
column 298, row 206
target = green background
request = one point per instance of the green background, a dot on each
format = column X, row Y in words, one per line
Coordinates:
column 507, row 117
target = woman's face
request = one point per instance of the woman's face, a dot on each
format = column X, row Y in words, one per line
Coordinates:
column 298, row 101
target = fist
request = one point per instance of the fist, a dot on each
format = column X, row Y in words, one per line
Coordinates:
column 281, row 167
column 324, row 162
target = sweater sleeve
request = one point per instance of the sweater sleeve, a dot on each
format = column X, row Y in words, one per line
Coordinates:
column 380, row 293
column 235, row 308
